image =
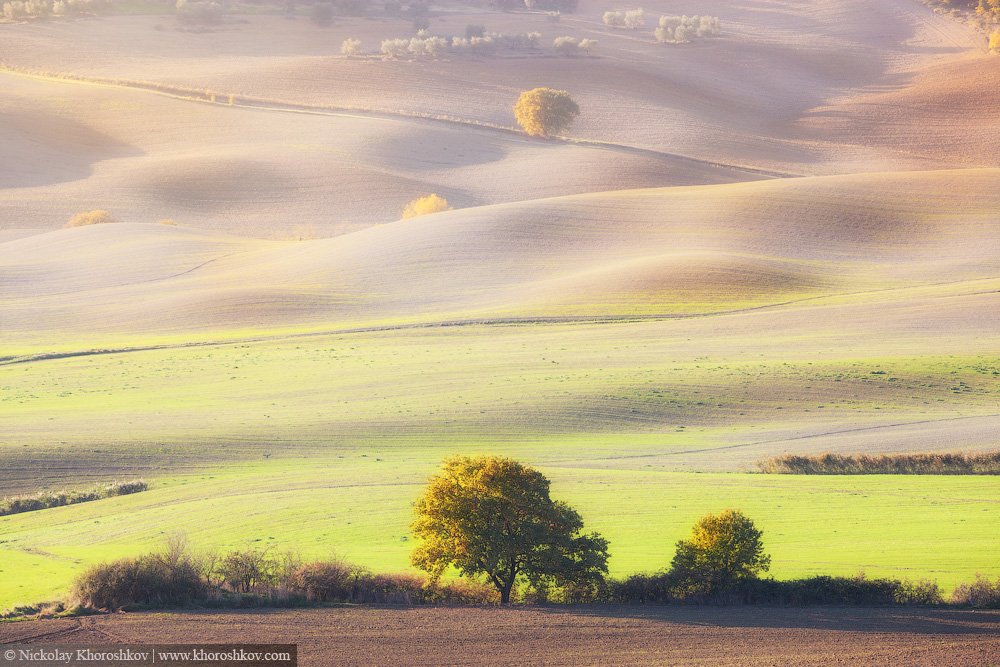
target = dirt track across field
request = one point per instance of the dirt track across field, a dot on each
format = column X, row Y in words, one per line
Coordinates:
column 564, row 636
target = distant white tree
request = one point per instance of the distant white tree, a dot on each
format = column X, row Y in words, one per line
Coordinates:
column 351, row 47
column 395, row 48
column 681, row 29
column 566, row 45
column 630, row 19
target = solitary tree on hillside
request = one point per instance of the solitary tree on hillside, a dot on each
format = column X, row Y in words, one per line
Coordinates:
column 723, row 550
column 544, row 111
column 491, row 516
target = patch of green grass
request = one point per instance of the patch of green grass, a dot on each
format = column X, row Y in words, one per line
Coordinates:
column 320, row 444
column 358, row 507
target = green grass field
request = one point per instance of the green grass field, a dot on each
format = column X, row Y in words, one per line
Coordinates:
column 358, row 507
column 321, row 444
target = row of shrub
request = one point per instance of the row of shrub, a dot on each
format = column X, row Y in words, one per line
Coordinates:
column 670, row 29
column 434, row 46
column 16, row 10
column 47, row 499
column 683, row 29
column 821, row 590
column 987, row 463
column 257, row 577
column 174, row 577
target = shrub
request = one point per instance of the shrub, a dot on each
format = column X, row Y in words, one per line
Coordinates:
column 543, row 111
column 425, row 205
column 641, row 588
column 682, row 29
column 166, row 221
column 524, row 41
column 987, row 463
column 474, row 30
column 570, row 46
column 351, row 47
column 47, row 499
column 159, row 579
column 248, row 570
column 921, row 592
column 994, row 43
column 125, row 488
column 723, row 550
column 565, row 45
column 395, row 48
column 14, row 10
column 326, row 582
column 980, row 594
column 630, row 19
column 856, row 591
column 95, row 217
column 336, row 581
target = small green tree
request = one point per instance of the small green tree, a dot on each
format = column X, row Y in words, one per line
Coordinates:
column 544, row 111
column 493, row 517
column 723, row 550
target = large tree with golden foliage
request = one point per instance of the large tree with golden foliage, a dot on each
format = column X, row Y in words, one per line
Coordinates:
column 492, row 517
column 544, row 111
column 723, row 550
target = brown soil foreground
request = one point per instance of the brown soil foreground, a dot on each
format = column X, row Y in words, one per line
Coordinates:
column 561, row 636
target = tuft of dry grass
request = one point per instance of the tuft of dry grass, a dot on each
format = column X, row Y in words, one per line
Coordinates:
column 426, row 205
column 884, row 464
column 95, row 217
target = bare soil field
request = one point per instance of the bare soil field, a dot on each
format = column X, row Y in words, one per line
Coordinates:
column 566, row 636
column 846, row 85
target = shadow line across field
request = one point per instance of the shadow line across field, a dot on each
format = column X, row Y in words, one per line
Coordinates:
column 924, row 621
column 12, row 360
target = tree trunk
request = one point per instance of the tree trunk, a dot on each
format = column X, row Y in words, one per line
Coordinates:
column 508, row 583
column 505, row 592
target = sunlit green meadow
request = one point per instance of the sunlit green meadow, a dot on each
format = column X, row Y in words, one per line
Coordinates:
column 321, row 444
column 358, row 507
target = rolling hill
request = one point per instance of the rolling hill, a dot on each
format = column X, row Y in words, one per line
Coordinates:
column 784, row 239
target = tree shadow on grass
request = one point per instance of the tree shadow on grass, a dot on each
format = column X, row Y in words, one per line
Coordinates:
column 917, row 620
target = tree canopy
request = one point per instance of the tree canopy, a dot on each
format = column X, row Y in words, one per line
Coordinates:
column 723, row 550
column 543, row 111
column 492, row 517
